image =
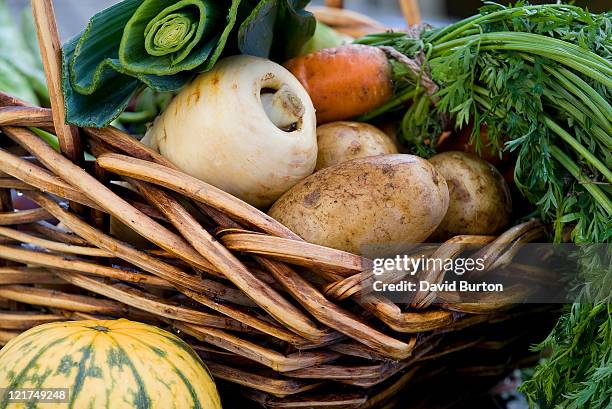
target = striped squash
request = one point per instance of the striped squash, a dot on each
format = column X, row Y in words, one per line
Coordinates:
column 107, row 365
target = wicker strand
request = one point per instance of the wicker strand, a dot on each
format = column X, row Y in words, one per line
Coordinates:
column 51, row 50
column 62, row 262
column 193, row 188
column 140, row 259
column 41, row 179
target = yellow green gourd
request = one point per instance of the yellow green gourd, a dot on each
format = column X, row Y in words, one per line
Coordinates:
column 115, row 364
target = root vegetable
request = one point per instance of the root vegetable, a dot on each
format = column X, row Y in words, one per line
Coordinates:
column 480, row 201
column 461, row 141
column 247, row 127
column 342, row 141
column 373, row 206
column 283, row 107
column 346, row 81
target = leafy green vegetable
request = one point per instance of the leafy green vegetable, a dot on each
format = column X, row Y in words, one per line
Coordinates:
column 162, row 44
column 539, row 78
column 168, row 37
column 96, row 86
column 147, row 106
column 578, row 373
column 324, row 37
column 277, row 29
column 21, row 71
column 14, row 83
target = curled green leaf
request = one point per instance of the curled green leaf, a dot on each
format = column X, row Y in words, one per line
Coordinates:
column 170, row 34
column 168, row 37
column 162, row 44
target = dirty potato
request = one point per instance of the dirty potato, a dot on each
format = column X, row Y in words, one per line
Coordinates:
column 370, row 206
column 480, row 201
column 342, row 141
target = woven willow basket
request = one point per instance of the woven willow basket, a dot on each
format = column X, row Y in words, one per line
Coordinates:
column 276, row 318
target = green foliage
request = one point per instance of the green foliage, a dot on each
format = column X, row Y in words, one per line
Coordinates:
column 539, row 78
column 21, row 71
column 324, row 37
column 578, row 373
column 147, row 106
column 162, row 44
column 14, row 83
column 276, row 29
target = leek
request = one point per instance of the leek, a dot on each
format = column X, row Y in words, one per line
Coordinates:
column 162, row 44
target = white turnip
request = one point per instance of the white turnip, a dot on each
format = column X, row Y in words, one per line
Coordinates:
column 247, row 127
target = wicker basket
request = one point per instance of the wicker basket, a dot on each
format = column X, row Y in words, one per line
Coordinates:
column 275, row 317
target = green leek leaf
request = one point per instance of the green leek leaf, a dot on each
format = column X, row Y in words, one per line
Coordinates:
column 178, row 36
column 256, row 33
column 102, row 105
column 95, row 58
column 294, row 26
column 276, row 28
column 98, row 85
column 162, row 44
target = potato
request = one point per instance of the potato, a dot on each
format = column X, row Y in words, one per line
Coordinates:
column 372, row 206
column 342, row 141
column 480, row 201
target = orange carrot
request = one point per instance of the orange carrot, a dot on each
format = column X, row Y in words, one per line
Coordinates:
column 344, row 82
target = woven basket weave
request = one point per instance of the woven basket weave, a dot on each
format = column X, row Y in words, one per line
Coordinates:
column 278, row 319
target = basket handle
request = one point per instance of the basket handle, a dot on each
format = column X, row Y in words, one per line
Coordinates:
column 51, row 52
column 410, row 9
column 335, row 3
